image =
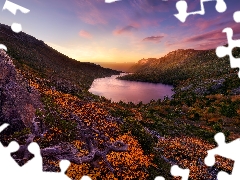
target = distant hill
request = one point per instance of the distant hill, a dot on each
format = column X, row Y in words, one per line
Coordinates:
column 33, row 55
column 119, row 66
column 181, row 65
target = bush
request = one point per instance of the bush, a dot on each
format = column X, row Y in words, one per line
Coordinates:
column 228, row 110
column 145, row 139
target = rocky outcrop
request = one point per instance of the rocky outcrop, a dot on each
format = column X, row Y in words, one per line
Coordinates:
column 18, row 104
column 18, row 101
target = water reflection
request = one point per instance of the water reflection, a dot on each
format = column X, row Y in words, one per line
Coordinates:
column 129, row 91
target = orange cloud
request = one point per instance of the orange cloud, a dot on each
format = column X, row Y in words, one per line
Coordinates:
column 85, row 34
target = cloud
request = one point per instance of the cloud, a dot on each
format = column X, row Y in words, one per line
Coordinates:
column 85, row 34
column 205, row 36
column 210, row 40
column 215, row 35
column 124, row 30
column 153, row 5
column 91, row 12
column 155, row 39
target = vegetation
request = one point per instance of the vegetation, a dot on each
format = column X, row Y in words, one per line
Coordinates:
column 177, row 130
column 34, row 56
column 206, row 101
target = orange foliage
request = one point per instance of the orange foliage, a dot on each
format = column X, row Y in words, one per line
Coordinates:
column 128, row 165
column 190, row 153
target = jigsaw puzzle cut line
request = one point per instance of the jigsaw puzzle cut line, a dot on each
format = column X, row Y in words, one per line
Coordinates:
column 32, row 169
column 12, row 7
column 177, row 171
column 228, row 150
column 222, row 51
column 182, row 6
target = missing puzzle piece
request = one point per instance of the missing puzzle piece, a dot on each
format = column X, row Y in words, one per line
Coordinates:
column 32, row 169
column 182, row 9
column 7, row 163
column 222, row 51
column 2, row 46
column 227, row 150
column 35, row 167
column 12, row 7
column 177, row 171
column 111, row 1
column 236, row 16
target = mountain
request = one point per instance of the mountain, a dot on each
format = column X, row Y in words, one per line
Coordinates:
column 32, row 55
column 180, row 65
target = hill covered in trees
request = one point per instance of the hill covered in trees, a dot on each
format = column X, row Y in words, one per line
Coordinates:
column 180, row 65
column 33, row 55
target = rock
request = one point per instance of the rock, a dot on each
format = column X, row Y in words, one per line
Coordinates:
column 18, row 101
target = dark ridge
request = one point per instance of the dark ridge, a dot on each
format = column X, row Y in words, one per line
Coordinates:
column 33, row 54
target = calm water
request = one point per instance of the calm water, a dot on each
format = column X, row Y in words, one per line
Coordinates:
column 129, row 91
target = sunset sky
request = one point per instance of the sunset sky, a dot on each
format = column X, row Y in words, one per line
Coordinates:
column 123, row 31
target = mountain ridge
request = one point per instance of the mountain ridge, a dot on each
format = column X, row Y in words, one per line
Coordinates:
column 181, row 64
column 48, row 62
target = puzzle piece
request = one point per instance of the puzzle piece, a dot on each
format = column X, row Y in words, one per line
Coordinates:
column 182, row 9
column 12, row 7
column 35, row 166
column 159, row 178
column 227, row 150
column 33, row 169
column 3, row 126
column 5, row 156
column 236, row 16
column 222, row 51
column 17, row 28
column 2, row 46
column 111, row 1
column 176, row 171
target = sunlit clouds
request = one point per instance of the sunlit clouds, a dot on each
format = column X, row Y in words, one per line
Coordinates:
column 156, row 39
column 123, row 31
column 126, row 29
column 85, row 34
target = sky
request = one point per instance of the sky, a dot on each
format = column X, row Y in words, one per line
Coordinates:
column 123, row 31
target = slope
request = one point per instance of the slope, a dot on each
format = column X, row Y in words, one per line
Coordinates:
column 180, row 65
column 31, row 54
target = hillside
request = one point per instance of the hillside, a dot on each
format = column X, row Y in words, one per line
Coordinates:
column 180, row 65
column 206, row 101
column 34, row 56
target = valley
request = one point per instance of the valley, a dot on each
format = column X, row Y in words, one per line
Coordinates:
column 117, row 140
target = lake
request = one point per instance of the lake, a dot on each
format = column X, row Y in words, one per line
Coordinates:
column 129, row 91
